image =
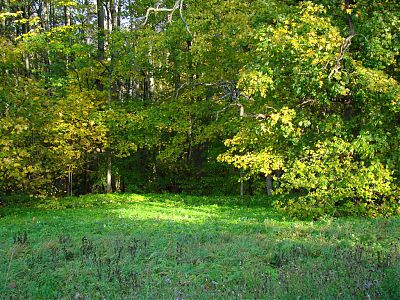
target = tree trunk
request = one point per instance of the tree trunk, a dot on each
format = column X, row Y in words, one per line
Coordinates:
column 67, row 16
column 269, row 185
column 100, row 31
column 241, row 183
column 87, row 20
column 109, row 173
column 119, row 13
column 27, row 64
column 100, row 86
column 46, row 16
column 114, row 15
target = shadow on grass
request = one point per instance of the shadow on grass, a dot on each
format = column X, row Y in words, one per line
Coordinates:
column 158, row 246
column 102, row 199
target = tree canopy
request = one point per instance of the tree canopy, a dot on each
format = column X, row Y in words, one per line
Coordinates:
column 297, row 98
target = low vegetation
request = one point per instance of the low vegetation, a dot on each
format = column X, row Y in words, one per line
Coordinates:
column 181, row 247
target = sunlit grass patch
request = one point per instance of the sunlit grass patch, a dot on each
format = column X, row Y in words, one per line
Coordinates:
column 170, row 246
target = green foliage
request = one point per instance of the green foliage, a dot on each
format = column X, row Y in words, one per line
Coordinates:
column 44, row 145
column 334, row 181
column 296, row 97
column 324, row 118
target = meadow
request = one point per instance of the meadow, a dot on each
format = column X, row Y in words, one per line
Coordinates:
column 132, row 246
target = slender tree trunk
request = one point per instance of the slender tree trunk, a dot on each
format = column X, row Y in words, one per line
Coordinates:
column 87, row 19
column 69, row 184
column 100, row 39
column 145, row 86
column 114, row 15
column 100, row 30
column 85, row 178
column 119, row 13
column 3, row 20
column 101, row 22
column 109, row 173
column 241, row 183
column 27, row 64
column 269, row 185
column 189, row 140
column 25, row 15
column 52, row 15
column 67, row 16
column 46, row 18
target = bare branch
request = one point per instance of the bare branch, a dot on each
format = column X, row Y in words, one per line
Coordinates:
column 183, row 18
column 193, row 84
column 229, row 90
column 346, row 44
column 242, row 113
column 305, row 102
column 178, row 5
column 223, row 109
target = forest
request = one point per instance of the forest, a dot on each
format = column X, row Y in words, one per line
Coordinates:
column 258, row 97
column 193, row 149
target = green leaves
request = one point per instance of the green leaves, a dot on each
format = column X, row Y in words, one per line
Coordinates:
column 330, row 119
column 304, row 93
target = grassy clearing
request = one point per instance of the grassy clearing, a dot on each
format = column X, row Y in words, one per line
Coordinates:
column 178, row 247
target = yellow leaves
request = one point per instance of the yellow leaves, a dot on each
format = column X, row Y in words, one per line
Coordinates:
column 6, row 15
column 68, row 3
column 343, row 90
column 377, row 81
column 281, row 31
column 310, row 14
column 234, row 142
column 264, row 161
column 313, row 42
column 19, row 128
column 395, row 102
column 275, row 118
column 285, row 115
column 264, row 128
column 256, row 82
column 34, row 21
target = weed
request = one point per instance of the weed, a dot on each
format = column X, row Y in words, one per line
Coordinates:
column 172, row 247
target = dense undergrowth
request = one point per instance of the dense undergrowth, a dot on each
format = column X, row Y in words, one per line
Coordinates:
column 181, row 247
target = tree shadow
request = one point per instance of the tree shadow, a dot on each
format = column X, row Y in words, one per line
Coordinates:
column 146, row 248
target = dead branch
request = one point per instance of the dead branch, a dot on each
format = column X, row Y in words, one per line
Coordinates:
column 229, row 84
column 305, row 102
column 346, row 44
column 231, row 91
column 177, row 6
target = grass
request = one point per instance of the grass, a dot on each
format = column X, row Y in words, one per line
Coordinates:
column 181, row 247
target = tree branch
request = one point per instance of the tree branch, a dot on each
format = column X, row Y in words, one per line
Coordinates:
column 346, row 43
column 228, row 84
column 177, row 6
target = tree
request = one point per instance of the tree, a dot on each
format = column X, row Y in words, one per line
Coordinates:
column 324, row 118
column 291, row 97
